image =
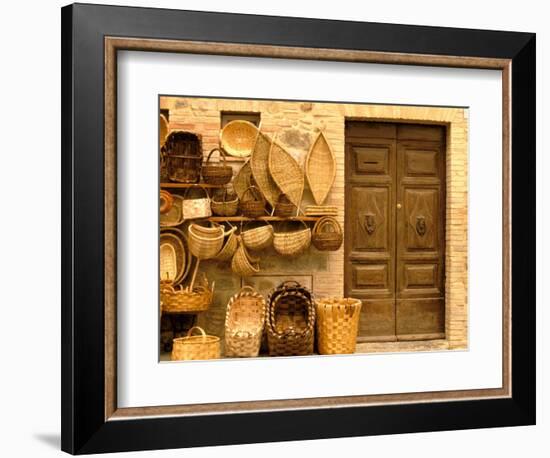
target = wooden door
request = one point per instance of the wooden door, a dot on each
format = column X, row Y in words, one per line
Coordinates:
column 394, row 245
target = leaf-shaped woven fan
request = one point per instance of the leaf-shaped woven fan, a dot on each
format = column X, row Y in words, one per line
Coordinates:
column 259, row 164
column 286, row 173
column 242, row 180
column 320, row 168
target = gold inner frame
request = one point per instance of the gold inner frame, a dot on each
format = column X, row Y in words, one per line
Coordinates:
column 114, row 44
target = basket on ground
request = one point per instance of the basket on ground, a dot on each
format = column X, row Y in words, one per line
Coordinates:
column 337, row 325
column 290, row 320
column 244, row 323
column 193, row 347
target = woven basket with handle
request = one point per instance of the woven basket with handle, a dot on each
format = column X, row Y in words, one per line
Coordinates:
column 193, row 347
column 244, row 323
column 182, row 156
column 327, row 234
column 290, row 320
column 226, row 204
column 337, row 325
column 216, row 173
column 284, row 208
column 252, row 203
column 205, row 242
column 181, row 300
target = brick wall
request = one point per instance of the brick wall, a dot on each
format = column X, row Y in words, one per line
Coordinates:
column 295, row 125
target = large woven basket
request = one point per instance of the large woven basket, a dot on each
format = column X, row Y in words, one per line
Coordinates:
column 258, row 238
column 320, row 166
column 337, row 325
column 198, row 347
column 181, row 300
column 205, row 242
column 216, row 173
column 286, row 173
column 238, row 138
column 290, row 321
column 252, row 203
column 327, row 234
column 229, row 247
column 182, row 156
column 174, row 257
column 292, row 243
column 174, row 231
column 225, row 204
column 244, row 323
column 242, row 263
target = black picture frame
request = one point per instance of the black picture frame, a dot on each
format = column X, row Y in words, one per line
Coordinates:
column 84, row 427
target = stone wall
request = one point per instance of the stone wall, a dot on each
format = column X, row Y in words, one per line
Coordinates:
column 295, row 125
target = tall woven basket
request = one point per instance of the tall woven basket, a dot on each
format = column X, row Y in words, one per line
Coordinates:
column 290, row 320
column 193, row 347
column 182, row 156
column 337, row 325
column 244, row 323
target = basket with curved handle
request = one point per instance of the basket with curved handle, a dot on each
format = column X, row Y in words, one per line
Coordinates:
column 327, row 240
column 216, row 173
column 190, row 332
column 196, row 208
column 254, row 207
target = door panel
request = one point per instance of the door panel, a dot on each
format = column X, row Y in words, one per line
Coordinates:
column 395, row 229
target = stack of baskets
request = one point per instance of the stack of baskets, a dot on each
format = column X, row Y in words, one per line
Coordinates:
column 244, row 323
column 290, row 320
column 337, row 325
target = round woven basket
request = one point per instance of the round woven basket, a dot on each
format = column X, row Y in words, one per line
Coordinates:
column 225, row 205
column 337, row 325
column 258, row 238
column 252, row 203
column 327, row 234
column 242, row 263
column 166, row 201
column 216, row 173
column 238, row 138
column 292, row 243
column 198, row 347
column 205, row 243
column 244, row 323
column 174, row 216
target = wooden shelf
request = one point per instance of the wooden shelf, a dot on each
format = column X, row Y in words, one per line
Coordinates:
column 236, row 219
column 189, row 185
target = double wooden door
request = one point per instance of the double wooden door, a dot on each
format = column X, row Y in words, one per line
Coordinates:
column 395, row 229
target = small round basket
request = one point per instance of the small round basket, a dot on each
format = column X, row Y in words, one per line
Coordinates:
column 195, row 347
column 238, row 138
column 225, row 205
column 327, row 234
column 216, row 173
column 292, row 243
column 252, row 203
column 258, row 238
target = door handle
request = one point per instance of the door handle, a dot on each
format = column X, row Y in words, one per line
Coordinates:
column 370, row 223
column 399, row 206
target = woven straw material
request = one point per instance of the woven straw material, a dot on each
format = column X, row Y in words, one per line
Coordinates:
column 229, row 247
column 320, row 168
column 258, row 238
column 243, row 179
column 216, row 173
column 203, row 244
column 259, row 164
column 290, row 323
column 242, row 263
column 252, row 203
column 182, row 154
column 163, row 129
column 178, row 233
column 173, row 258
column 196, row 347
column 238, row 138
column 284, row 208
column 337, row 325
column 180, row 300
column 166, row 201
column 286, row 173
column 292, row 243
column 174, row 216
column 244, row 323
column 225, row 205
column 327, row 234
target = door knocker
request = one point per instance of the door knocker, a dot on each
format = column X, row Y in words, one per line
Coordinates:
column 370, row 223
column 420, row 225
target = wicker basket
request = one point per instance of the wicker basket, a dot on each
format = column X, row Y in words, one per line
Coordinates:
column 258, row 238
column 320, row 166
column 166, row 201
column 229, row 247
column 178, row 233
column 205, row 243
column 290, row 321
column 242, row 263
column 292, row 243
column 244, row 323
column 337, row 325
column 181, row 300
column 174, row 216
column 286, row 173
column 174, row 257
column 216, row 173
column 259, row 165
column 284, row 208
column 193, row 347
column 238, row 138
column 196, row 207
column 327, row 234
column 254, row 206
column 243, row 179
column 182, row 155
column 225, row 205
